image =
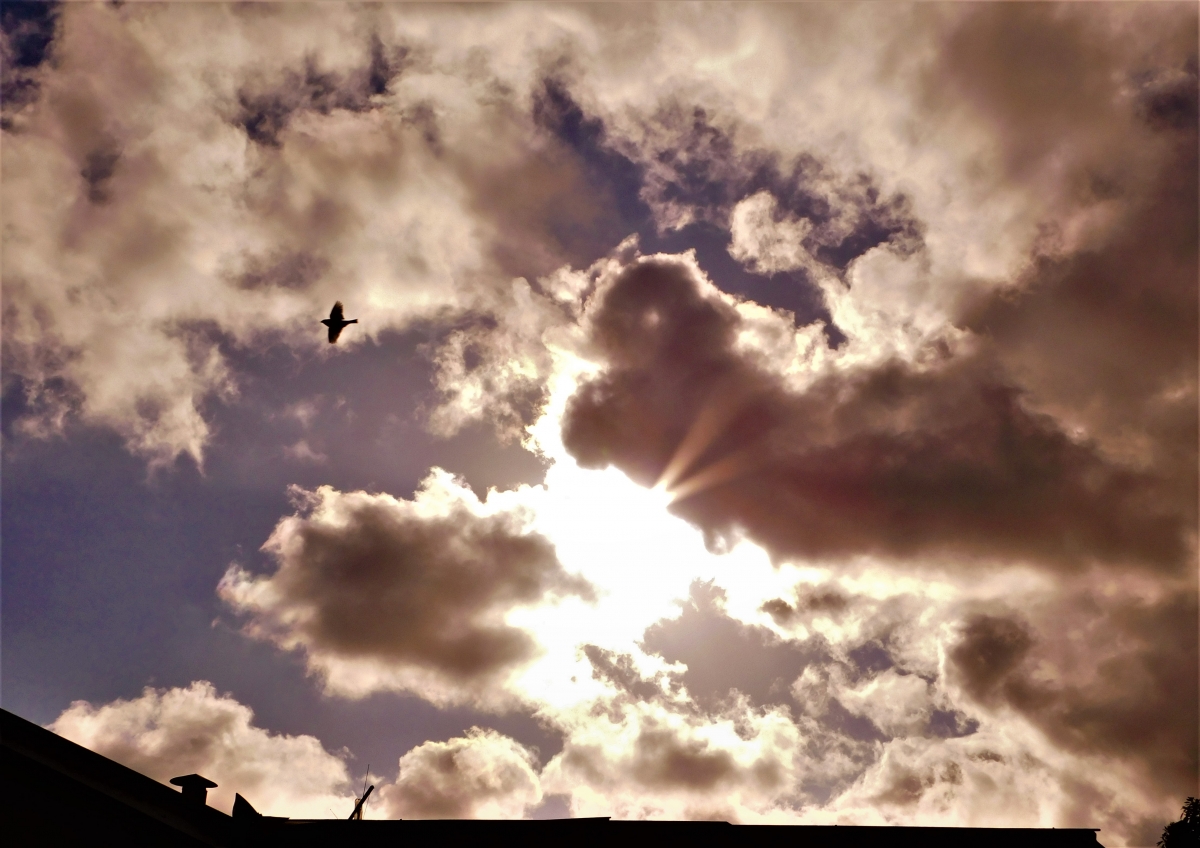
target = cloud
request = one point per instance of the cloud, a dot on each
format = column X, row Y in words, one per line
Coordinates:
column 26, row 41
column 266, row 113
column 1066, row 328
column 483, row 775
column 302, row 451
column 1129, row 700
column 764, row 244
column 940, row 457
column 697, row 170
column 980, row 781
column 654, row 761
column 1064, row 107
column 171, row 204
column 620, row 671
column 990, row 647
column 496, row 369
column 165, row 733
column 724, row 657
column 1112, row 266
column 996, row 205
column 411, row 595
column 1041, row 718
column 898, row 703
column 995, row 779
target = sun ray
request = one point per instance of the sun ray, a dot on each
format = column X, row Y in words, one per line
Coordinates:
column 728, row 468
column 720, row 408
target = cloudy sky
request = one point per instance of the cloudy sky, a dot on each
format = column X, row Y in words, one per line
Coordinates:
column 771, row 413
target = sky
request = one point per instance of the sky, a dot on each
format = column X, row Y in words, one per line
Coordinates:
column 778, row 413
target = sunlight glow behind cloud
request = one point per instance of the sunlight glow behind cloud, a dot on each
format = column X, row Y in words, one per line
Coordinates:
column 857, row 344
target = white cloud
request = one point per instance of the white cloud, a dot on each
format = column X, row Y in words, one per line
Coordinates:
column 120, row 285
column 765, row 245
column 898, row 704
column 483, row 775
column 165, row 733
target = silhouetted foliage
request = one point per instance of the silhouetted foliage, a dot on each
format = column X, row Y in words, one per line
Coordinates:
column 1186, row 831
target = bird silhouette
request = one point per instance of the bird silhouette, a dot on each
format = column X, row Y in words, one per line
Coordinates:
column 335, row 322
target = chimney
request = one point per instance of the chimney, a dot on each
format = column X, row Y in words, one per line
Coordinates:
column 195, row 788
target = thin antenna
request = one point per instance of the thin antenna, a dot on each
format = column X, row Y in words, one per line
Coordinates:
column 362, row 799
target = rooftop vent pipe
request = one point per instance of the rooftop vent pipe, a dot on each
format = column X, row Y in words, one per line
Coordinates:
column 195, row 788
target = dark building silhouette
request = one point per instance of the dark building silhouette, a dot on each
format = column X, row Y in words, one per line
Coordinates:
column 59, row 793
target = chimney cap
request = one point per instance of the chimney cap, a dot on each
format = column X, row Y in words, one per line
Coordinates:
column 188, row 781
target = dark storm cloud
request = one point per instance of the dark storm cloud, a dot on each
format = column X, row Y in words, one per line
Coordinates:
column 1140, row 703
column 367, row 577
column 1110, row 333
column 265, row 112
column 990, row 648
column 889, row 459
column 1100, row 116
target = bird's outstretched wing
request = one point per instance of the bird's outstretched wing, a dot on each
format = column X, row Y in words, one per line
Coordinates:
column 335, row 330
column 336, row 313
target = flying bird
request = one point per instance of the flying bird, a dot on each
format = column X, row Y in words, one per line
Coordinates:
column 335, row 322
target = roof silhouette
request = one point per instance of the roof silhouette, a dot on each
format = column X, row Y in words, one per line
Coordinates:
column 59, row 793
